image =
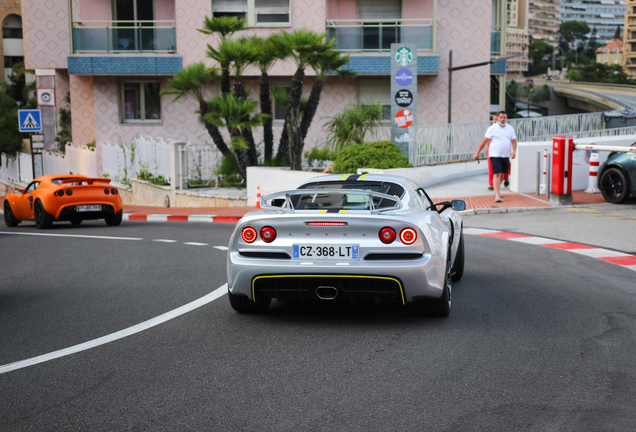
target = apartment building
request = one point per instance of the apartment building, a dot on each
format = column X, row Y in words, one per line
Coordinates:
column 115, row 56
column 611, row 53
column 629, row 39
column 11, row 49
column 544, row 19
column 517, row 37
column 605, row 15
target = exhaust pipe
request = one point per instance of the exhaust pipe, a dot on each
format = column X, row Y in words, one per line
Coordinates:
column 326, row 292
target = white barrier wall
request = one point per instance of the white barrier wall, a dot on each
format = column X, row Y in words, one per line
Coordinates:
column 9, row 169
column 523, row 174
column 26, row 168
column 81, row 161
column 54, row 163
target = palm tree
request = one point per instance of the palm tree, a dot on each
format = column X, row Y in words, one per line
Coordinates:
column 238, row 54
column 351, row 126
column 329, row 61
column 265, row 60
column 237, row 115
column 191, row 81
column 303, row 46
column 225, row 27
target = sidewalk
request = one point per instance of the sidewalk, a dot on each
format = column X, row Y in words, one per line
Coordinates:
column 472, row 189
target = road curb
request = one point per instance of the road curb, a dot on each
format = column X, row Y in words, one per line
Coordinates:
column 179, row 218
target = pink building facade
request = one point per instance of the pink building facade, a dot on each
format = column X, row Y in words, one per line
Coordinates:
column 114, row 60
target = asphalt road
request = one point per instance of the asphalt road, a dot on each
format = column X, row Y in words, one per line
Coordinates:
column 539, row 339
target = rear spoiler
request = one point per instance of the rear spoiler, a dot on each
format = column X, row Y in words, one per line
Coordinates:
column 288, row 205
column 90, row 181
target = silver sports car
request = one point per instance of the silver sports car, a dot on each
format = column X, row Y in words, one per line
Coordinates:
column 352, row 238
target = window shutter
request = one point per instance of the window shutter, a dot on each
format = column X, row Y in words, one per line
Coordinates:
column 229, row 6
column 379, row 9
column 374, row 90
column 271, row 6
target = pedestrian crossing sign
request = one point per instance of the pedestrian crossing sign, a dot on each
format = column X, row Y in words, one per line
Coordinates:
column 30, row 120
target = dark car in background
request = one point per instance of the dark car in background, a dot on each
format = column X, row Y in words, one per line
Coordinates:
column 617, row 176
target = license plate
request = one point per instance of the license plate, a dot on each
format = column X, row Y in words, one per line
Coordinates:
column 336, row 252
column 83, row 208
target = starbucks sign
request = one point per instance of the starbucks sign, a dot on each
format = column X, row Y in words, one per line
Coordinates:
column 404, row 93
column 404, row 56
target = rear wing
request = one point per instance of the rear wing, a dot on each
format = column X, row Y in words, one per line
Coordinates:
column 288, row 203
column 89, row 181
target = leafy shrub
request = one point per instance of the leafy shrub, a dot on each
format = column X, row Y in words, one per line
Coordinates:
column 320, row 154
column 229, row 172
column 380, row 155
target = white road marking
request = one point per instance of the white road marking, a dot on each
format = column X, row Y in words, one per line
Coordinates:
column 71, row 235
column 220, row 247
column 164, row 240
column 157, row 218
column 195, row 244
column 217, row 293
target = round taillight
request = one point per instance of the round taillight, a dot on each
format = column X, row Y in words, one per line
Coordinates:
column 69, row 192
column 248, row 234
column 59, row 193
column 106, row 191
column 408, row 236
column 387, row 235
column 268, row 234
column 113, row 191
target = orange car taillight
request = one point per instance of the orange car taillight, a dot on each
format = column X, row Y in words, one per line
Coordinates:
column 113, row 191
column 248, row 234
column 69, row 192
column 106, row 191
column 387, row 235
column 408, row 236
column 268, row 234
column 59, row 193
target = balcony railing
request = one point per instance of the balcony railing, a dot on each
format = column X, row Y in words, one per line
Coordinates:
column 378, row 35
column 124, row 36
column 495, row 40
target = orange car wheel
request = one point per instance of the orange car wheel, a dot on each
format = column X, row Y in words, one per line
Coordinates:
column 9, row 218
column 43, row 220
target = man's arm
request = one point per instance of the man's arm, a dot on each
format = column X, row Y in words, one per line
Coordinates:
column 514, row 149
column 485, row 142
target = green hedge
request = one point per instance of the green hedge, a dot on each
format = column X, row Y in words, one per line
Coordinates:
column 380, row 155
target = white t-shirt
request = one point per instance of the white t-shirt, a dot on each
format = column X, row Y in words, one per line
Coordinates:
column 500, row 140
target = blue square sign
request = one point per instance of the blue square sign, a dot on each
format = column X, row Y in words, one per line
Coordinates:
column 30, row 120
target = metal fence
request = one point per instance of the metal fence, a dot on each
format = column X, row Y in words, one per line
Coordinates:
column 122, row 162
column 436, row 144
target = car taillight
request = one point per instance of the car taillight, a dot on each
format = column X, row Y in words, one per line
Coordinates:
column 408, row 236
column 69, row 192
column 248, row 234
column 326, row 224
column 106, row 191
column 268, row 234
column 113, row 191
column 59, row 193
column 387, row 235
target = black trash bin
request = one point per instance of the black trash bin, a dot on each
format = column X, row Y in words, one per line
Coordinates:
column 619, row 118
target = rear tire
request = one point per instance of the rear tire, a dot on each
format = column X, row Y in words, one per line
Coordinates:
column 9, row 217
column 244, row 305
column 614, row 186
column 115, row 219
column 458, row 266
column 43, row 220
column 440, row 307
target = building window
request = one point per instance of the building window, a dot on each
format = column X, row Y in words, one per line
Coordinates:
column 376, row 91
column 140, row 102
column 264, row 13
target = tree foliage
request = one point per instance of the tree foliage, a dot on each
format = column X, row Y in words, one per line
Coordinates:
column 352, row 125
column 601, row 73
column 538, row 52
column 380, row 155
column 15, row 94
column 572, row 31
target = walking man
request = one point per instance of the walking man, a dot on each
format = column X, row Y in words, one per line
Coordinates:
column 502, row 142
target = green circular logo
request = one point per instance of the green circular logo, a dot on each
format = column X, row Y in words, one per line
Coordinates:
column 404, row 56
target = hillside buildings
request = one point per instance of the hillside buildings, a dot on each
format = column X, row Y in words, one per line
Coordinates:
column 605, row 15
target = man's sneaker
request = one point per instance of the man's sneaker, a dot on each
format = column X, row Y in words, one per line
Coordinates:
column 506, row 183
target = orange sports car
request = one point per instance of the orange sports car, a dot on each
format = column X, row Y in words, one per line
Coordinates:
column 55, row 198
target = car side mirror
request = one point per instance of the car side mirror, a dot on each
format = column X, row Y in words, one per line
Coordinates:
column 458, row 205
column 18, row 190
